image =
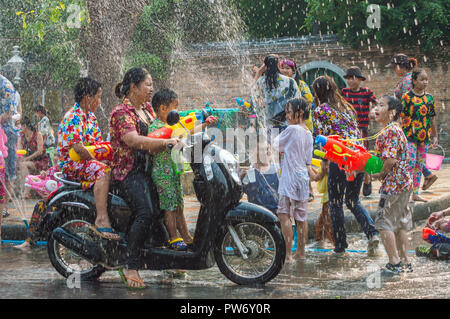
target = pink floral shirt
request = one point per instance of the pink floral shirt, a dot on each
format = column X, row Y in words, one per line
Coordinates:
column 123, row 121
column 392, row 143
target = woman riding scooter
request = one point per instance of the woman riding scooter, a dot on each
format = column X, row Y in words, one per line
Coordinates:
column 128, row 128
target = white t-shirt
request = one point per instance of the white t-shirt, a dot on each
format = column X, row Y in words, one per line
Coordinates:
column 297, row 145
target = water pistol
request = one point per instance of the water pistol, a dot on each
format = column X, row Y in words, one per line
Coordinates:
column 242, row 102
column 348, row 156
column 100, row 151
column 433, row 237
column 184, row 126
column 21, row 152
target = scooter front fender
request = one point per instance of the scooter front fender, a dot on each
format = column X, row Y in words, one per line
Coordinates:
column 245, row 212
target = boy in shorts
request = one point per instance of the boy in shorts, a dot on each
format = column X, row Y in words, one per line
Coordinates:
column 393, row 215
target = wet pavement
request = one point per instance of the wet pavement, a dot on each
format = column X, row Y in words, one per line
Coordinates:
column 30, row 275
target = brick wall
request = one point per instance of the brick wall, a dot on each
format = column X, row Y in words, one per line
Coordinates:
column 219, row 72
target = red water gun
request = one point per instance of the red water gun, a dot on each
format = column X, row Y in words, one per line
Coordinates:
column 433, row 237
column 350, row 157
column 100, row 151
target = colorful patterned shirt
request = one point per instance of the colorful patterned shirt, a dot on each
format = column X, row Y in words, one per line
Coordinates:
column 76, row 127
column 417, row 114
column 329, row 121
column 404, row 86
column 392, row 143
column 123, row 121
column 360, row 101
column 264, row 96
column 7, row 103
column 305, row 91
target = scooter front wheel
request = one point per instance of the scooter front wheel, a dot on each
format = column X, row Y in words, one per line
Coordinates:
column 264, row 253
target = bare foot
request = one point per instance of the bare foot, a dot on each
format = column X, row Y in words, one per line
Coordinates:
column 25, row 246
column 300, row 256
column 289, row 259
column 417, row 198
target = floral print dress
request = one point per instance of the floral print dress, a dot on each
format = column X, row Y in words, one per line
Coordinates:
column 167, row 181
column 417, row 114
column 80, row 127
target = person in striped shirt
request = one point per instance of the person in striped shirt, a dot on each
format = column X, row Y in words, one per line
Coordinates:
column 360, row 98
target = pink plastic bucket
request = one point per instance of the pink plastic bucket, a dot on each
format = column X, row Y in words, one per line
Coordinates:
column 433, row 161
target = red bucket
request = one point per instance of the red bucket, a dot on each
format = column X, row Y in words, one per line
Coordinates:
column 433, row 161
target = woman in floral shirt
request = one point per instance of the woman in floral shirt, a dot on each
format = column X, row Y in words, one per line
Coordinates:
column 129, row 128
column 271, row 92
column 79, row 128
column 419, row 124
column 334, row 116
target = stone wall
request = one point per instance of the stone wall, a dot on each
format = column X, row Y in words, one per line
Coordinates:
column 219, row 72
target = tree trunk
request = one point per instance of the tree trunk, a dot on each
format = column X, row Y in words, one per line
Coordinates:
column 106, row 40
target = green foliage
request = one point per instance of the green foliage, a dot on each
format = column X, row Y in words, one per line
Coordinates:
column 273, row 18
column 47, row 39
column 409, row 24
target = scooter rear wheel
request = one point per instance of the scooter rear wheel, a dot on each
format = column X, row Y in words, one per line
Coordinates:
column 66, row 262
column 266, row 253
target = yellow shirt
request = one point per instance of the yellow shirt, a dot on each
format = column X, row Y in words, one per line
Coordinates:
column 322, row 187
column 306, row 94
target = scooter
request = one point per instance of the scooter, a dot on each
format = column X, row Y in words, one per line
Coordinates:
column 244, row 239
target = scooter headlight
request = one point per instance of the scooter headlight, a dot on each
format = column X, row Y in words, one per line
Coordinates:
column 231, row 164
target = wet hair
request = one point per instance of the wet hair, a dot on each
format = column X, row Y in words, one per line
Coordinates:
column 86, row 86
column 271, row 62
column 297, row 75
column 326, row 91
column 134, row 75
column 297, row 104
column 27, row 121
column 415, row 75
column 163, row 97
column 41, row 108
column 405, row 61
column 394, row 104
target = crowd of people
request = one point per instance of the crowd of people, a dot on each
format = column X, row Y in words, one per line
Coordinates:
column 408, row 121
column 288, row 117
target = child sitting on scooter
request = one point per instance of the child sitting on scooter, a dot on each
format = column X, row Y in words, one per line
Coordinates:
column 165, row 177
column 260, row 182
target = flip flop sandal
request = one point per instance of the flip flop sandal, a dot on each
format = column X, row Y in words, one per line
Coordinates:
column 101, row 230
column 126, row 278
column 177, row 244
